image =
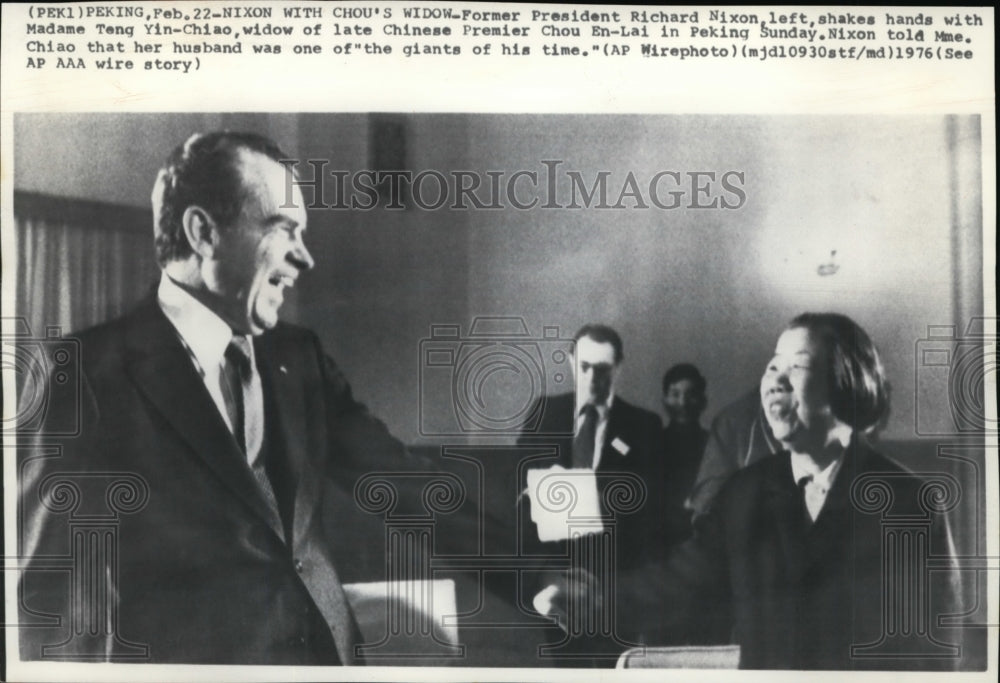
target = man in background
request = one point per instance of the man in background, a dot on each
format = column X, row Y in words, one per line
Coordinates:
column 602, row 432
column 684, row 400
column 739, row 436
column 595, row 429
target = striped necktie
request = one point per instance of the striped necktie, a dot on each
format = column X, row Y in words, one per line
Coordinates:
column 245, row 406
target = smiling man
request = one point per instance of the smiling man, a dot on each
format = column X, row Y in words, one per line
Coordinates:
column 224, row 422
column 684, row 399
column 224, row 231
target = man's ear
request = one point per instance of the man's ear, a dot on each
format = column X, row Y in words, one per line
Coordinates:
column 201, row 232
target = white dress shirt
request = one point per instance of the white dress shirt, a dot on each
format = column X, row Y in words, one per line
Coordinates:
column 602, row 424
column 820, row 481
column 205, row 336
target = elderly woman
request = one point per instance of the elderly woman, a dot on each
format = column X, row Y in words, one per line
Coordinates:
column 792, row 556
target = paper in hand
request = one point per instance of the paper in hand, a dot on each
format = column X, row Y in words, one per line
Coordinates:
column 564, row 502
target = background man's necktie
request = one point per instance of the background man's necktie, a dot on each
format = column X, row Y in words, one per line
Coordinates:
column 245, row 405
column 583, row 444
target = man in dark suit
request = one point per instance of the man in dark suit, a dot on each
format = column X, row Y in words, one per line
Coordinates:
column 183, row 524
column 683, row 440
column 595, row 429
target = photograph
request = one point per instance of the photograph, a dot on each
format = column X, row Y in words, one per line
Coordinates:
column 500, row 390
column 497, row 341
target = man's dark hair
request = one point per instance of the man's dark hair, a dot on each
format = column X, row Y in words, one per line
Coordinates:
column 203, row 171
column 859, row 390
column 602, row 334
column 683, row 371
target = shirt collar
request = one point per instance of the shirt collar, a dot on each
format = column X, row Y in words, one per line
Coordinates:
column 804, row 466
column 602, row 410
column 204, row 332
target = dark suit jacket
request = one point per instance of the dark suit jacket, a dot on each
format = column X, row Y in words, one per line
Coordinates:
column 638, row 533
column 739, row 436
column 200, row 573
column 800, row 595
column 682, row 449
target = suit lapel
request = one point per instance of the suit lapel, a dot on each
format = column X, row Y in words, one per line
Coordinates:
column 786, row 509
column 287, row 428
column 563, row 409
column 612, row 460
column 163, row 372
column 830, row 529
column 805, row 546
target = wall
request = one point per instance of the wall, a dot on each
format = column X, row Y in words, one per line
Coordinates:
column 710, row 287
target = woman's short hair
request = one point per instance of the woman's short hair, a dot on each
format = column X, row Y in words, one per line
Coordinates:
column 859, row 394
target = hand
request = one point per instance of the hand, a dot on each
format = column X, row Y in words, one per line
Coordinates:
column 575, row 592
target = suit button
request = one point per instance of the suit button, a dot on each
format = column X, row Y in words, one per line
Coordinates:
column 299, row 566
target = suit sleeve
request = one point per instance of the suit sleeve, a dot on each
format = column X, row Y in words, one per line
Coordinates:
column 950, row 595
column 682, row 595
column 360, row 444
column 719, row 462
column 651, row 434
column 670, row 601
column 359, row 441
column 52, row 484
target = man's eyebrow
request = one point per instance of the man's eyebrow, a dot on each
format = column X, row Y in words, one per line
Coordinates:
column 278, row 218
